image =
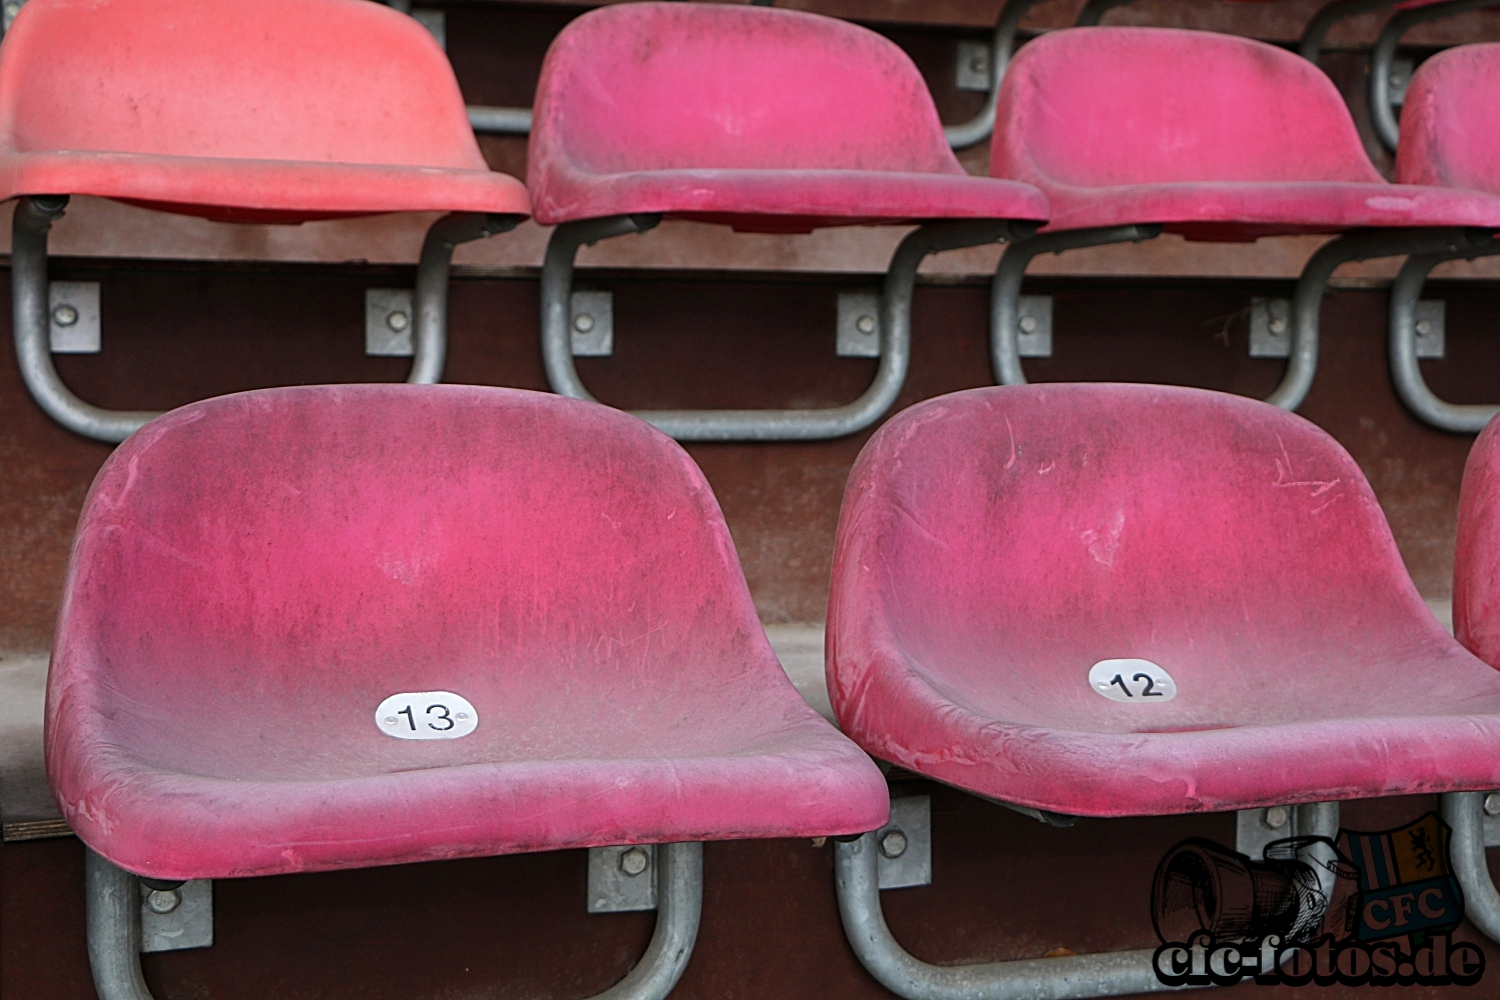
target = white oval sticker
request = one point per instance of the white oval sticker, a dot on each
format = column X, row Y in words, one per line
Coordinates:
column 1139, row 681
column 426, row 715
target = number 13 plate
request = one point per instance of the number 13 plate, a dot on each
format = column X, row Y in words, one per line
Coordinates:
column 426, row 715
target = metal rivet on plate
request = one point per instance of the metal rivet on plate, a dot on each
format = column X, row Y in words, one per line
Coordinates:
column 163, row 900
column 583, row 322
column 634, row 861
column 893, row 844
column 1277, row 817
column 398, row 321
column 65, row 315
column 1492, row 804
column 390, row 720
column 865, row 324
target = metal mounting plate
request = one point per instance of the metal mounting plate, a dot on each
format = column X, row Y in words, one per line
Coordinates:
column 859, row 325
column 74, row 310
column 1034, row 314
column 591, row 318
column 612, row 889
column 189, row 925
column 388, row 320
column 434, row 21
column 1430, row 317
column 911, row 817
column 1254, row 829
column 1270, row 328
column 971, row 69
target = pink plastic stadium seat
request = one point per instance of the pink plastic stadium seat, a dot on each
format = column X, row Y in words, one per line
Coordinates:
column 254, row 575
column 281, row 111
column 1036, row 600
column 1449, row 139
column 1130, row 131
column 764, row 120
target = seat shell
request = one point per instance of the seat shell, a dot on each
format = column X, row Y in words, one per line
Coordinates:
column 1450, row 119
column 1216, row 137
column 239, row 110
column 1476, row 565
column 253, row 575
column 763, row 119
column 996, row 544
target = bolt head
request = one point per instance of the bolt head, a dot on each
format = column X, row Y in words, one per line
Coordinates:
column 1492, row 804
column 65, row 315
column 390, row 720
column 634, row 861
column 978, row 64
column 1278, row 325
column 893, row 844
column 583, row 322
column 1423, row 328
column 1277, row 817
column 1028, row 324
column 163, row 900
column 398, row 321
column 865, row 324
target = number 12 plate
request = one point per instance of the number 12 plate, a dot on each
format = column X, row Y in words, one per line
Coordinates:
column 426, row 715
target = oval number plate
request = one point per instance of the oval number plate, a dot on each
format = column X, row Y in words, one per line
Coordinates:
column 1139, row 681
column 426, row 715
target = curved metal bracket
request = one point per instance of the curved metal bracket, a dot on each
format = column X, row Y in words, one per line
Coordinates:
column 1464, row 814
column 761, row 425
column 1327, row 16
column 1005, row 290
column 29, row 229
column 1406, row 372
column 1307, row 303
column 1002, row 47
column 1094, row 11
column 857, row 884
column 1382, row 114
column 114, row 928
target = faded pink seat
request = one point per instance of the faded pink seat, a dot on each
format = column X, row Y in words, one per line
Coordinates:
column 1214, row 136
column 766, row 120
column 1450, row 123
column 254, row 574
column 996, row 544
column 241, row 110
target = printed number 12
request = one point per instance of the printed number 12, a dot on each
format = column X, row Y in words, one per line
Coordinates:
column 1150, row 691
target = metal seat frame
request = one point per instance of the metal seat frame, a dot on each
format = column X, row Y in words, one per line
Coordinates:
column 1382, row 113
column 114, row 928
column 29, row 231
column 1440, row 242
column 763, row 425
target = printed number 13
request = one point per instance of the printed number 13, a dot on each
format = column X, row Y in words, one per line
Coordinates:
column 443, row 717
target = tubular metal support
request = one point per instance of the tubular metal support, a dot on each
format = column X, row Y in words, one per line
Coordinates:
column 1406, row 372
column 113, row 918
column 1307, row 303
column 1005, row 290
column 1002, row 47
column 114, row 928
column 1094, row 10
column 761, row 425
column 33, row 220
column 1329, row 15
column 500, row 121
column 429, row 340
column 857, row 884
column 1382, row 115
column 1464, row 814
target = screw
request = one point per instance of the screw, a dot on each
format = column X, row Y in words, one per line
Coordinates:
column 461, row 716
column 1278, row 325
column 1492, row 804
column 65, row 315
column 893, row 844
column 398, row 321
column 583, row 322
column 163, row 900
column 865, row 324
column 390, row 720
column 1028, row 324
column 1277, row 817
column 1423, row 328
column 634, row 861
column 978, row 64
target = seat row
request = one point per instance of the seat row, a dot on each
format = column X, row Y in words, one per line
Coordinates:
column 334, row 627
column 760, row 119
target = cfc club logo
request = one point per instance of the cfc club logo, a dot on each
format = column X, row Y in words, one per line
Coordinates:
column 1364, row 909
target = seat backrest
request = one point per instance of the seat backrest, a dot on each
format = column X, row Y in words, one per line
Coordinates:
column 1450, row 122
column 347, row 543
column 1106, row 107
column 1476, row 563
column 1015, row 536
column 342, row 81
column 658, row 86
